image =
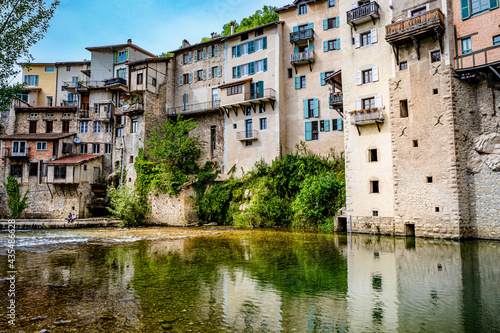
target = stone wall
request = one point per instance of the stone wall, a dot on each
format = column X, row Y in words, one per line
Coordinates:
column 173, row 210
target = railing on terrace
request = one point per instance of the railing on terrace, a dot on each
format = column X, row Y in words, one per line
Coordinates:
column 7, row 152
column 367, row 116
column 94, row 84
column 133, row 107
column 194, row 108
column 364, row 12
column 246, row 135
column 70, row 103
column 336, row 98
column 267, row 93
column 481, row 57
column 420, row 23
column 297, row 36
column 302, row 57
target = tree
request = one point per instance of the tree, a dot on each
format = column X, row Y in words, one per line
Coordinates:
column 22, row 24
column 16, row 204
column 262, row 16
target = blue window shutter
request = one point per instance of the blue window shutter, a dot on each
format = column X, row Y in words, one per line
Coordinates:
column 316, row 108
column 339, row 124
column 265, row 65
column 325, row 46
column 465, row 9
column 251, row 46
column 311, row 47
column 327, row 125
column 36, row 80
column 238, row 71
column 260, row 88
column 297, row 82
column 296, row 28
column 306, row 109
column 325, row 24
column 264, row 42
column 26, row 79
column 323, row 79
column 180, row 80
column 310, row 25
column 308, row 131
column 337, row 21
column 296, row 50
column 251, row 68
column 493, row 4
column 338, row 43
column 238, row 50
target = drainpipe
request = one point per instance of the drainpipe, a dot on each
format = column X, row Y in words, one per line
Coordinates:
column 123, row 159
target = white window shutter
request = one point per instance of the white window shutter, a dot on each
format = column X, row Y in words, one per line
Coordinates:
column 209, row 73
column 356, row 41
column 181, row 60
column 358, row 78
column 378, row 101
column 375, row 73
column 357, row 104
column 374, row 35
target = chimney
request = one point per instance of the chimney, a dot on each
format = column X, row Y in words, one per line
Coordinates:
column 185, row 43
column 232, row 27
column 129, row 41
column 213, row 33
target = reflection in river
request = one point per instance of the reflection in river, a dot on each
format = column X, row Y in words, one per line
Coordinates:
column 212, row 280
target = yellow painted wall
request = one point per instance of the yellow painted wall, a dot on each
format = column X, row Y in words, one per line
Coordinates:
column 46, row 80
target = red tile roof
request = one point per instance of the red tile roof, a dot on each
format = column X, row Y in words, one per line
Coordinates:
column 75, row 159
column 36, row 136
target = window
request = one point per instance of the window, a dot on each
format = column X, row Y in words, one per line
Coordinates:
column 248, row 111
column 374, row 186
column 466, row 45
column 478, row 6
column 65, row 126
column 324, row 125
column 244, row 49
column 67, row 115
column 234, row 90
column 71, row 97
column 367, row 76
column 121, row 73
column 263, row 124
column 435, row 56
column 107, row 148
column 83, row 148
column 122, row 55
column 244, row 70
column 235, row 126
column 331, row 23
column 185, row 58
column 235, row 51
column 290, row 73
column 496, row 40
column 185, row 78
column 33, row 170
column 262, row 108
column 259, row 32
column 49, row 101
column 49, row 126
column 119, row 132
column 199, row 54
column 60, row 172
column 403, row 108
column 108, row 128
column 436, row 209
column 153, row 82
column 50, row 115
column 368, row 103
column 131, row 159
column 374, row 213
column 41, row 146
column 415, row 143
column 67, row 148
column 19, row 148
column 244, row 36
column 133, row 126
column 68, row 68
column 139, row 78
column 84, row 126
column 96, row 148
column 259, row 66
column 302, row 9
column 403, row 65
column 366, row 38
column 429, row 179
column 331, row 3
column 337, row 124
column 214, row 72
column 418, row 11
column 49, row 69
column 259, row 44
column 16, row 170
column 34, row 115
column 31, row 80
column 332, row 45
column 185, row 101
column 24, row 97
column 97, row 127
column 199, row 75
column 310, row 108
column 372, row 155
column 300, row 82
column 315, row 132
column 32, row 126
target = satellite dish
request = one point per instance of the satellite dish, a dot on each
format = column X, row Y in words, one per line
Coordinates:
column 77, row 140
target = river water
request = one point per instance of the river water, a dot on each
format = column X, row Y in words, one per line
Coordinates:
column 224, row 280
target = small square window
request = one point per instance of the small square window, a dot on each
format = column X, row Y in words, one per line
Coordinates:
column 235, row 126
column 367, row 76
column 290, row 73
column 435, row 56
column 153, row 82
column 374, row 186
column 263, row 123
column 41, row 146
column 437, row 209
column 248, row 143
column 68, row 68
column 496, row 40
column 435, row 91
column 415, row 143
column 466, row 45
column 375, row 213
column 372, row 155
column 403, row 108
column 302, row 9
column 131, row 159
column 85, row 167
column 403, row 65
column 429, row 179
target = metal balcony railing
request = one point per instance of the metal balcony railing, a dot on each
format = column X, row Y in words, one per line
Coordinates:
column 302, row 57
column 297, row 36
column 336, row 99
column 194, row 108
column 367, row 116
column 246, row 135
column 425, row 23
column 268, row 93
column 94, row 84
column 70, row 103
column 7, row 152
column 363, row 13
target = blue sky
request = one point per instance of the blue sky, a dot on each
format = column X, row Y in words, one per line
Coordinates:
column 155, row 25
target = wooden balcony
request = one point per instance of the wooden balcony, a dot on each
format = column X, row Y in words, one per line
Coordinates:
column 416, row 28
column 194, row 108
column 306, row 57
column 337, row 99
column 363, row 14
column 133, row 108
column 246, row 135
column 303, row 35
column 367, row 116
column 20, row 154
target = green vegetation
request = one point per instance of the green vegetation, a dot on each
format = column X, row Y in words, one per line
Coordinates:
column 127, row 205
column 262, row 16
column 16, row 204
column 299, row 189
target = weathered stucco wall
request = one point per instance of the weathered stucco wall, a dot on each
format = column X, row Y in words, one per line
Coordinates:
column 173, row 210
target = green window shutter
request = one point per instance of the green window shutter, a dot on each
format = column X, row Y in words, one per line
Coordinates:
column 251, row 47
column 338, row 43
column 260, row 88
column 325, row 24
column 337, row 21
column 36, row 80
column 323, row 79
column 308, row 131
column 265, row 65
column 296, row 28
column 493, row 4
column 325, row 46
column 465, row 9
column 327, row 125
column 297, row 82
column 238, row 50
column 128, row 53
column 306, row 109
column 310, row 25
column 296, row 50
column 114, row 57
column 339, row 124
column 238, row 71
column 311, row 47
column 251, row 68
column 264, row 42
column 180, row 80
column 316, row 108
